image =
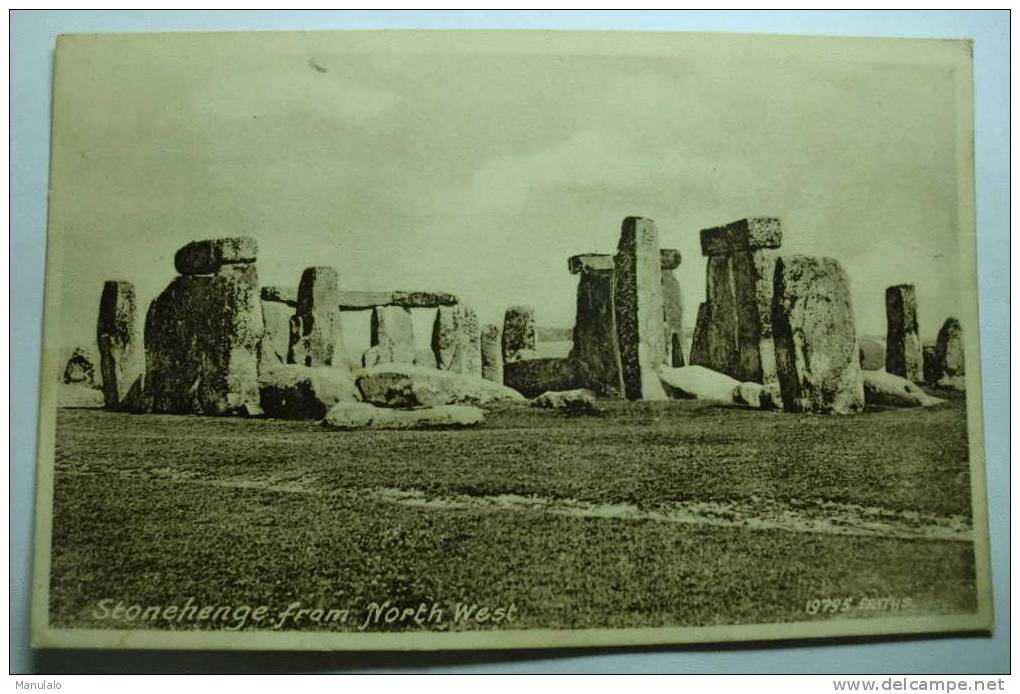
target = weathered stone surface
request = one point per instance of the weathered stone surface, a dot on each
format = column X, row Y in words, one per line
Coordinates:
column 207, row 257
column 456, row 340
column 639, row 313
column 699, row 383
column 742, row 235
column 949, row 355
column 578, row 401
column 398, row 385
column 280, row 295
column 816, row 340
column 520, row 337
column 670, row 258
column 79, row 395
column 275, row 344
column 738, row 340
column 596, row 342
column 292, row 391
column 121, row 353
column 80, row 368
column 201, row 343
column 549, row 333
column 890, row 390
column 535, row 376
column 932, row 369
column 492, row 353
column 758, row 396
column 872, row 352
column 699, row 355
column 903, row 345
column 392, row 337
column 361, row 300
column 673, row 315
column 315, row 333
column 366, row 416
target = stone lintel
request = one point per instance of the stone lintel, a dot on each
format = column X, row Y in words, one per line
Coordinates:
column 742, row 235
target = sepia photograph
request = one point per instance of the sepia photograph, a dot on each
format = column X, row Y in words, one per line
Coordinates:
column 433, row 340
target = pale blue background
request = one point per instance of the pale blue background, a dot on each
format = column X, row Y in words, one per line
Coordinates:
column 32, row 39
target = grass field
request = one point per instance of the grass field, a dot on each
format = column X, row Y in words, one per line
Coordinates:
column 153, row 510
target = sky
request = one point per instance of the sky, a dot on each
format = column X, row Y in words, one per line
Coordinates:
column 479, row 167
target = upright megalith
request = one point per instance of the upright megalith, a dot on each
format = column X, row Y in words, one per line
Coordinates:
column 672, row 307
column 520, row 337
column 315, row 338
column 392, row 337
column 456, row 340
column 903, row 355
column 202, row 335
column 738, row 337
column 596, row 343
column 699, row 341
column 275, row 344
column 492, row 353
column 637, row 295
column 949, row 361
column 121, row 354
column 816, row 348
column 932, row 372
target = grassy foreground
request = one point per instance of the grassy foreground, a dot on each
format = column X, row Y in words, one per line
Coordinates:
column 154, row 510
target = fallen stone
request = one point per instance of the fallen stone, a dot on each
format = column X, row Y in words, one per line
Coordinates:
column 742, row 235
column 79, row 395
column 80, row 368
column 639, row 313
column 121, row 353
column 315, row 328
column 398, row 385
column 520, row 336
column 365, row 416
column 292, row 391
column 280, row 295
column 201, row 344
column 903, row 345
column 207, row 257
column 456, row 340
column 491, row 347
column 578, row 401
column 392, row 336
column 815, row 337
column 758, row 396
column 595, row 340
column 890, row 390
column 535, row 376
column 698, row 383
column 275, row 344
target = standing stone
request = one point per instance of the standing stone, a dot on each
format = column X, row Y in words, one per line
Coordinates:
column 741, row 260
column 275, row 344
column 596, row 342
column 949, row 354
column 932, row 371
column 315, row 337
column 519, row 334
column 673, row 316
column 902, row 343
column 456, row 340
column 639, row 312
column 492, row 353
column 392, row 337
column 201, row 344
column 699, row 342
column 121, row 356
column 816, row 340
